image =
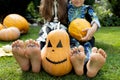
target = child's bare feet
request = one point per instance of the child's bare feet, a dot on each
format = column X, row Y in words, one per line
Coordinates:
column 32, row 51
column 97, row 60
column 77, row 59
column 18, row 52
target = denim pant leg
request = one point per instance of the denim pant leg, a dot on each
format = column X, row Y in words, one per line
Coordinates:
column 87, row 48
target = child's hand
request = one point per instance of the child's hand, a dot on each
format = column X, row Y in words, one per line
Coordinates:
column 90, row 32
column 88, row 35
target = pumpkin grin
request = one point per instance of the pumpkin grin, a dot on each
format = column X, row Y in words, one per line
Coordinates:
column 56, row 62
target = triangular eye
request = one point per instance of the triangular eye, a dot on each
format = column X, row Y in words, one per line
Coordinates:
column 49, row 44
column 59, row 44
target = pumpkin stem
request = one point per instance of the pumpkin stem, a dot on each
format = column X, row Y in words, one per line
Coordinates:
column 58, row 25
column 4, row 26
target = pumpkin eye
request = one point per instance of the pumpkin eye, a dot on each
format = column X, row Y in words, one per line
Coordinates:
column 49, row 44
column 59, row 44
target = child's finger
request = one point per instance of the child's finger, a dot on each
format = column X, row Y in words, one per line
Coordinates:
column 86, row 29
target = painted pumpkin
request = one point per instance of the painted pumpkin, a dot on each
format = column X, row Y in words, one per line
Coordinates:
column 76, row 27
column 18, row 21
column 8, row 34
column 1, row 26
column 56, row 53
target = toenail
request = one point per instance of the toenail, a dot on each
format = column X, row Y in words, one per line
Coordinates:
column 31, row 45
column 16, row 46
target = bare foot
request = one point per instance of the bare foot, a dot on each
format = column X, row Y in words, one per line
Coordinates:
column 97, row 60
column 18, row 53
column 32, row 51
column 77, row 59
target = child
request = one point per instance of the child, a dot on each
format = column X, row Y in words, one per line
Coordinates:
column 27, row 53
column 56, row 12
column 77, row 9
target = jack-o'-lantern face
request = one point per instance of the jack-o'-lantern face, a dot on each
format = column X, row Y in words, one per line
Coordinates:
column 54, row 50
column 56, row 53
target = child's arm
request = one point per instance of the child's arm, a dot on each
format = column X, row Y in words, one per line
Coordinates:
column 94, row 23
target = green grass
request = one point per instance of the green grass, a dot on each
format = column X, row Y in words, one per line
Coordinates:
column 106, row 38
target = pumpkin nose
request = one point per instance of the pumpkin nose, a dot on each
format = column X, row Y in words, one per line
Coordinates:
column 53, row 50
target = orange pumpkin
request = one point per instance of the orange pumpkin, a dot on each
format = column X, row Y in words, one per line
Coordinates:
column 8, row 34
column 18, row 21
column 56, row 53
column 77, row 26
column 1, row 26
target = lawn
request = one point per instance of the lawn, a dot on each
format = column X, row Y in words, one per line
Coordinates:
column 106, row 38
